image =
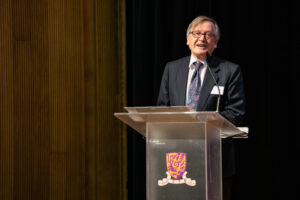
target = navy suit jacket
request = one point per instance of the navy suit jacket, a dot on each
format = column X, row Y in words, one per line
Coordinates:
column 232, row 103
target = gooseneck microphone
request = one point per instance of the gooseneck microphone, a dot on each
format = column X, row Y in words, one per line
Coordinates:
column 216, row 83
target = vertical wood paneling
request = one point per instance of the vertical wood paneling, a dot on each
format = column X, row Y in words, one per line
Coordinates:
column 58, row 179
column 57, row 75
column 109, row 79
column 6, row 101
column 23, row 110
column 31, row 100
column 91, row 127
column 62, row 70
column 58, row 101
column 75, row 94
column 67, row 98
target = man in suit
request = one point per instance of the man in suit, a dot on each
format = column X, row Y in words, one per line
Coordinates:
column 188, row 81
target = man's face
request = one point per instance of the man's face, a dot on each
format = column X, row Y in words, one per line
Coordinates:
column 199, row 46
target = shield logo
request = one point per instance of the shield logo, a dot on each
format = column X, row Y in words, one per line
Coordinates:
column 176, row 164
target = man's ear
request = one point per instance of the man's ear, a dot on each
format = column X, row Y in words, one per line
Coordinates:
column 216, row 43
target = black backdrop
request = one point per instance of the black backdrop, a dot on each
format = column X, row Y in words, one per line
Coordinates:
column 258, row 35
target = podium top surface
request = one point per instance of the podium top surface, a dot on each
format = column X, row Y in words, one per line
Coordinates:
column 137, row 117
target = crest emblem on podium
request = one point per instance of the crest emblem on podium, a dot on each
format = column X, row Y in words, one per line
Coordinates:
column 176, row 168
column 176, row 164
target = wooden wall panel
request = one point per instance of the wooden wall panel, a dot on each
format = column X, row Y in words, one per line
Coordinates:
column 6, row 101
column 110, row 48
column 91, row 125
column 30, row 100
column 58, row 179
column 62, row 76
column 66, row 85
column 57, row 76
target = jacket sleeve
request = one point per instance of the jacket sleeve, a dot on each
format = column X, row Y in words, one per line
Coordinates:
column 163, row 97
column 234, row 103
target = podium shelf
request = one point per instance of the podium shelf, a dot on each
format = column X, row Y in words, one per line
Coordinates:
column 137, row 120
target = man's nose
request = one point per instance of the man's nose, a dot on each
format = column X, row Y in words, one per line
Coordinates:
column 202, row 37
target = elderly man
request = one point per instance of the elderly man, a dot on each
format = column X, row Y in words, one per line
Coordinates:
column 191, row 81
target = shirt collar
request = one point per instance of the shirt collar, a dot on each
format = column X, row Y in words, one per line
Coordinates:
column 193, row 59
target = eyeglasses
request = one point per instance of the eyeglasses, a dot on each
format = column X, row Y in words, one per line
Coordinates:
column 197, row 34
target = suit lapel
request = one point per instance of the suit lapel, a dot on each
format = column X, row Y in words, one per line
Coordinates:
column 181, row 80
column 208, row 83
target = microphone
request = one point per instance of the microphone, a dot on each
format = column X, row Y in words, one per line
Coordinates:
column 216, row 83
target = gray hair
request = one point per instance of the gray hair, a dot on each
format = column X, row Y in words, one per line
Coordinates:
column 199, row 20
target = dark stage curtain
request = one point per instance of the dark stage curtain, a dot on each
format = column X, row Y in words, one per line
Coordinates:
column 260, row 37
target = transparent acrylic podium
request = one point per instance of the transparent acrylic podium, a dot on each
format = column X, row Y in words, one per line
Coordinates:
column 183, row 150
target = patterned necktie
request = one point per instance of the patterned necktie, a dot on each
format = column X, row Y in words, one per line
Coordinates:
column 194, row 90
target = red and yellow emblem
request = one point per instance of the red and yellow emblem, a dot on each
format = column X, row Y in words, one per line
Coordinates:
column 176, row 164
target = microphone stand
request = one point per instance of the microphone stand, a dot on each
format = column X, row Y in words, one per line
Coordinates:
column 216, row 83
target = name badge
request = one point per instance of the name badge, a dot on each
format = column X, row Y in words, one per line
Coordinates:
column 216, row 91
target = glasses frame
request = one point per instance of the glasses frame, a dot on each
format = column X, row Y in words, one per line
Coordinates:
column 206, row 36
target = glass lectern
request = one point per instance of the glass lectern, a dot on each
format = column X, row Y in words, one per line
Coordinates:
column 183, row 150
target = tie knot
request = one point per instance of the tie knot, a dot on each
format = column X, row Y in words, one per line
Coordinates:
column 197, row 65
